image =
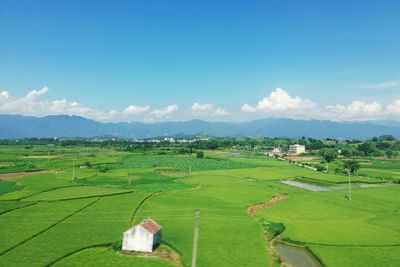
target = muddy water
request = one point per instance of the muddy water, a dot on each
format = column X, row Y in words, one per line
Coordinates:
column 296, row 256
column 310, row 187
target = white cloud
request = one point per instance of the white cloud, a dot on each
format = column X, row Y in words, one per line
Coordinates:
column 32, row 105
column 4, row 95
column 221, row 112
column 382, row 85
column 207, row 109
column 393, row 110
column 248, row 108
column 136, row 109
column 35, row 93
column 356, row 110
column 280, row 104
column 164, row 113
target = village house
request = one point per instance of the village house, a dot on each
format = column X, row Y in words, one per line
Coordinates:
column 297, row 149
column 276, row 151
column 143, row 237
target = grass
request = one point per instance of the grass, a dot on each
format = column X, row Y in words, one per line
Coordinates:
column 6, row 206
column 48, row 218
column 107, row 257
column 22, row 224
column 145, row 181
column 184, row 163
column 102, row 222
column 9, row 186
column 367, row 221
column 75, row 192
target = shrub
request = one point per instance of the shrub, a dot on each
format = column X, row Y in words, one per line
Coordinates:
column 104, row 169
column 340, row 171
column 117, row 245
column 199, row 154
column 274, row 228
column 320, row 168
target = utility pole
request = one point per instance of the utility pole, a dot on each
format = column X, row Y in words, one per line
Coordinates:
column 73, row 170
column 195, row 237
column 113, row 147
column 349, row 185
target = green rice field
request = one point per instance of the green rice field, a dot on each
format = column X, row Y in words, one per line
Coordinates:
column 52, row 214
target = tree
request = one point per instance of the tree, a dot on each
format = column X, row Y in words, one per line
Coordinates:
column 391, row 154
column 329, row 154
column 346, row 152
column 387, row 138
column 315, row 144
column 88, row 164
column 199, row 154
column 368, row 148
column 351, row 166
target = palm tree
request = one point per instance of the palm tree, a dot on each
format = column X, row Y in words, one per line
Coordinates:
column 351, row 166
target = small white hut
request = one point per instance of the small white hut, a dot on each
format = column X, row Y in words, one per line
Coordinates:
column 143, row 237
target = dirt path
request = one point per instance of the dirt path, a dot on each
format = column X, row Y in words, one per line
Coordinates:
column 166, row 252
column 254, row 208
column 273, row 256
column 6, row 176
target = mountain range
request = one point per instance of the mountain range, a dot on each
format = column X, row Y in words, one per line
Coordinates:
column 17, row 126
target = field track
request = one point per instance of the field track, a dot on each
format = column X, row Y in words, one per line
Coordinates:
column 254, row 208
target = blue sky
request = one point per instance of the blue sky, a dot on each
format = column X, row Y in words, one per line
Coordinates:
column 215, row 60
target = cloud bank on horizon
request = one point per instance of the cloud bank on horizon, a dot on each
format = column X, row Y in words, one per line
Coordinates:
column 278, row 104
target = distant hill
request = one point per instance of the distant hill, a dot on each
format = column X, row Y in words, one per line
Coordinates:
column 16, row 126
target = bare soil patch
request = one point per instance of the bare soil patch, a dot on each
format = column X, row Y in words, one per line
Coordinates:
column 40, row 157
column 163, row 251
column 6, row 176
column 254, row 208
column 299, row 158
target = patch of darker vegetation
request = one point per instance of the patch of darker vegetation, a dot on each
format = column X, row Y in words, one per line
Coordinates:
column 11, row 205
column 117, row 246
column 183, row 163
column 9, row 186
column 274, row 228
column 19, row 167
column 149, row 182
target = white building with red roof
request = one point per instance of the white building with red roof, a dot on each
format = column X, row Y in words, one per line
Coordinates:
column 143, row 237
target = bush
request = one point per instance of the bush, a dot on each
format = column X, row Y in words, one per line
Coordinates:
column 340, row 171
column 199, row 154
column 320, row 168
column 274, row 228
column 104, row 169
column 117, row 245
column 88, row 164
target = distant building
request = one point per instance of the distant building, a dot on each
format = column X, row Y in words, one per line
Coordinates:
column 297, row 149
column 276, row 151
column 143, row 237
column 169, row 139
